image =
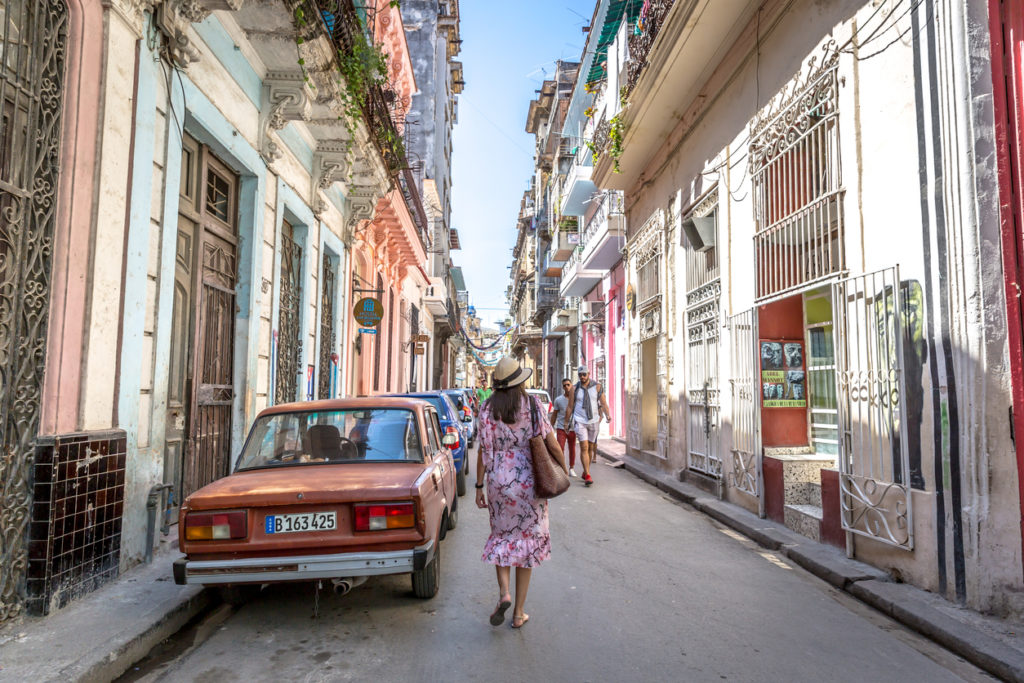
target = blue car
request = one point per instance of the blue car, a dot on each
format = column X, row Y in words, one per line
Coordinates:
column 467, row 423
column 450, row 418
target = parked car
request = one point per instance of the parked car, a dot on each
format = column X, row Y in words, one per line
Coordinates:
column 545, row 400
column 467, row 422
column 338, row 489
column 451, row 423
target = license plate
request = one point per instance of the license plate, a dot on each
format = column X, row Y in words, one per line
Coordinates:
column 308, row 521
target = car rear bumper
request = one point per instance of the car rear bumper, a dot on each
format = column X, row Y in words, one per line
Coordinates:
column 301, row 568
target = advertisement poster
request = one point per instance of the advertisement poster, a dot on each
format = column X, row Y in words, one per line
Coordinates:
column 782, row 375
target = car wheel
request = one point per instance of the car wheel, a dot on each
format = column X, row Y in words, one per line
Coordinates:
column 427, row 581
column 453, row 516
column 460, row 483
column 237, row 595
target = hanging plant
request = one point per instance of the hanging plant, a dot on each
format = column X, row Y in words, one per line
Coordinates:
column 615, row 136
column 589, row 112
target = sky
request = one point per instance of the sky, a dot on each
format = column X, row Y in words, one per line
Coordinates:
column 508, row 49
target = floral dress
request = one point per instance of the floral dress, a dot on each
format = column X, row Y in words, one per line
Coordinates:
column 519, row 521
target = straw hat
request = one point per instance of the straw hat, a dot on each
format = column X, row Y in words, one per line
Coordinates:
column 508, row 373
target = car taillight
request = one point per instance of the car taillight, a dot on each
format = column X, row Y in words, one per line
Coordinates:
column 380, row 516
column 215, row 526
column 454, row 431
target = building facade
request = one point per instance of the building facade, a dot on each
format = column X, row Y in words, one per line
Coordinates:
column 182, row 257
column 810, row 289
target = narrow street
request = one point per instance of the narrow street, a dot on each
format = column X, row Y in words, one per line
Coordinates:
column 639, row 588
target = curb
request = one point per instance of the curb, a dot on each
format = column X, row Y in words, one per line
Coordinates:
column 917, row 609
column 122, row 651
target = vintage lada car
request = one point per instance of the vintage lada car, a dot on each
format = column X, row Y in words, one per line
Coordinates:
column 327, row 490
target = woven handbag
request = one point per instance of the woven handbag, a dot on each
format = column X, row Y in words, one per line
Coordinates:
column 550, row 475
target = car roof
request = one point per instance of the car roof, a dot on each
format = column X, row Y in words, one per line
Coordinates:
column 364, row 402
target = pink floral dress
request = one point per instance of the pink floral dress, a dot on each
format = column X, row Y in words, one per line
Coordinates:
column 519, row 521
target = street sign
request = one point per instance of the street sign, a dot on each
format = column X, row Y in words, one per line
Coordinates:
column 368, row 312
column 420, row 350
column 421, row 337
column 367, row 330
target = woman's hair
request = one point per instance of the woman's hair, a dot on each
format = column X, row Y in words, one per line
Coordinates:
column 504, row 403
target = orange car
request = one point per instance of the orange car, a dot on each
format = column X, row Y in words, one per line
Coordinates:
column 340, row 489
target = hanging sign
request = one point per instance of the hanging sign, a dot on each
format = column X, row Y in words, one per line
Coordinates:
column 367, row 330
column 420, row 349
column 782, row 374
column 630, row 298
column 421, row 337
column 368, row 312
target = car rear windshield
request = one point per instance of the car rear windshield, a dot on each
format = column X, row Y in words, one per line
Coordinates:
column 541, row 394
column 336, row 436
column 457, row 397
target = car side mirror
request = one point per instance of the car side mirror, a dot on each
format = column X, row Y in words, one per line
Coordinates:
column 450, row 440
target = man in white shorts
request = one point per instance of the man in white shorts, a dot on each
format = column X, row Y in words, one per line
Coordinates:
column 587, row 405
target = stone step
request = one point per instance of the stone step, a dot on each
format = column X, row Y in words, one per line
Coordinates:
column 805, row 520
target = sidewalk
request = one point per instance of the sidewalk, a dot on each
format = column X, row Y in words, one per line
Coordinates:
column 97, row 637
column 992, row 644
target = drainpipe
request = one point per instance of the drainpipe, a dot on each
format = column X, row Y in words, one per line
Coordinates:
column 152, row 501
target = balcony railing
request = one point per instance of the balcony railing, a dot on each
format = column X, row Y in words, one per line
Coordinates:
column 347, row 30
column 613, row 203
column 570, row 266
column 547, row 292
column 651, row 19
column 407, row 183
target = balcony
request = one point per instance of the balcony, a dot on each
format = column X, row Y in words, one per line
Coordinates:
column 563, row 242
column 546, row 293
column 676, row 44
column 564, row 320
column 435, row 298
column 605, row 233
column 578, row 186
column 577, row 280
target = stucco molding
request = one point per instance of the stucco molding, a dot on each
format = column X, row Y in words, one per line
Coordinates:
column 284, row 99
column 330, row 161
column 174, row 17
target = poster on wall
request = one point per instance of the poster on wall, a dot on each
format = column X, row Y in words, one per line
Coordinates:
column 782, row 374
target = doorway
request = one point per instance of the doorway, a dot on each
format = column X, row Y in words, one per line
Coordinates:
column 201, row 387
column 649, row 394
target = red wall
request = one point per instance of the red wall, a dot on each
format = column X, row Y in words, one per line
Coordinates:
column 783, row 319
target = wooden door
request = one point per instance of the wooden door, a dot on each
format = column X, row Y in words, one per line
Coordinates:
column 179, row 384
column 211, row 398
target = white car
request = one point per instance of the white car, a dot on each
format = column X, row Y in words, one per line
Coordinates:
column 545, row 400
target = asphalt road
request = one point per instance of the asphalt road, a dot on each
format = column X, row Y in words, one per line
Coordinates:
column 639, row 588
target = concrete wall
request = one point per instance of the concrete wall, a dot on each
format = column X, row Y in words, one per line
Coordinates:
column 924, row 201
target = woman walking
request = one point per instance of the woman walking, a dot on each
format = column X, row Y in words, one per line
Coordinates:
column 519, row 521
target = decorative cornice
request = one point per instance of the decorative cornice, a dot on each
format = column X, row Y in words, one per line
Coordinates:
column 284, row 99
column 173, row 18
column 329, row 164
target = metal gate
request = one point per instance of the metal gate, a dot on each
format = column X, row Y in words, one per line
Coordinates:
column 32, row 51
column 209, row 453
column 746, row 413
column 633, row 396
column 873, row 462
column 289, row 342
column 702, row 391
column 328, row 341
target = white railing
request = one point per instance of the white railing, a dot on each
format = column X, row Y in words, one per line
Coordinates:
column 569, row 268
column 612, row 203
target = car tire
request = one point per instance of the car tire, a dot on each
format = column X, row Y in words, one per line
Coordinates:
column 237, row 595
column 427, row 581
column 453, row 515
column 460, row 483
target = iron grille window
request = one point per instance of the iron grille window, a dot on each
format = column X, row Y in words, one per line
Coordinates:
column 289, row 343
column 798, row 189
column 647, row 274
column 328, row 341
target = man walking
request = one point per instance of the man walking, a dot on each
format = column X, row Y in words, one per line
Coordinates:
column 561, row 420
column 587, row 405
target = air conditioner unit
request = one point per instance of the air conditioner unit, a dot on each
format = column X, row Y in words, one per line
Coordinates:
column 589, row 309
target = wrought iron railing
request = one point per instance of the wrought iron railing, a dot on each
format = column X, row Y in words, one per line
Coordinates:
column 407, row 183
column 570, row 266
column 343, row 24
column 652, row 16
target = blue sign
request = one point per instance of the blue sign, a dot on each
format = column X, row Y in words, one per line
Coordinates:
column 367, row 330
